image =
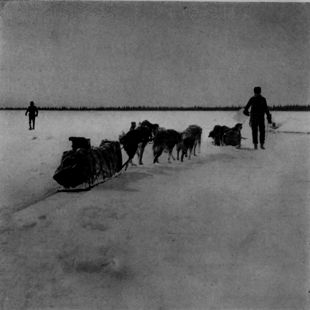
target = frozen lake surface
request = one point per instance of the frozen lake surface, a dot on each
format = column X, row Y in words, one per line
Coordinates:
column 228, row 229
column 29, row 158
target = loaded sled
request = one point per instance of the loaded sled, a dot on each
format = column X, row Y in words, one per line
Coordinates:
column 85, row 165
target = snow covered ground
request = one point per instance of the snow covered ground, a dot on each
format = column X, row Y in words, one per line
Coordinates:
column 29, row 158
column 225, row 230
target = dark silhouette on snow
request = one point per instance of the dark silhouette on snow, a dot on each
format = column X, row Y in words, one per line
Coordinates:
column 32, row 112
column 259, row 108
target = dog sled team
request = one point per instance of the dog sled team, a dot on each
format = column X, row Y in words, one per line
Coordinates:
column 86, row 164
column 136, row 139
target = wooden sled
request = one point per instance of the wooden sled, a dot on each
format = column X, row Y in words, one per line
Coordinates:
column 84, row 166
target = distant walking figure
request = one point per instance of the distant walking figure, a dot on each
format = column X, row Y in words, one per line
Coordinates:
column 33, row 112
column 259, row 108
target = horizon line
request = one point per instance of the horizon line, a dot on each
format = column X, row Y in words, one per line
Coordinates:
column 160, row 108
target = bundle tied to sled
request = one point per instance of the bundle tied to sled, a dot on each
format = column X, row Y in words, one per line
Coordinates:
column 86, row 164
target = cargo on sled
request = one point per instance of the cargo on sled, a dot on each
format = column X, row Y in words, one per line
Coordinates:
column 88, row 165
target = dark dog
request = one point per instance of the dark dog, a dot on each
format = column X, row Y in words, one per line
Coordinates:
column 165, row 140
column 233, row 136
column 223, row 135
column 190, row 140
column 135, row 140
column 153, row 129
column 217, row 134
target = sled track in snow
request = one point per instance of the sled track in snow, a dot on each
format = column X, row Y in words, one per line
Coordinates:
column 54, row 191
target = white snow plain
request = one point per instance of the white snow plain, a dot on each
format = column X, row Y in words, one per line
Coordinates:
column 29, row 158
column 228, row 229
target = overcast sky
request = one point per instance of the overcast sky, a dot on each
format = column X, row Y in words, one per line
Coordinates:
column 133, row 53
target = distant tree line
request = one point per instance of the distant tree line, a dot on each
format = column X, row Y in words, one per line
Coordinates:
column 290, row 108
column 164, row 108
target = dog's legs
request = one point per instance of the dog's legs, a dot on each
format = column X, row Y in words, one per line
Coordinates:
column 138, row 151
column 184, row 153
column 157, row 154
column 171, row 155
column 156, row 159
column 141, row 151
column 221, row 141
column 190, row 152
column 179, row 149
column 194, row 149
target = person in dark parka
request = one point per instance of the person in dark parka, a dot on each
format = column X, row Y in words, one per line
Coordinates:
column 33, row 112
column 259, row 108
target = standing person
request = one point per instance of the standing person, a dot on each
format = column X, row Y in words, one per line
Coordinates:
column 259, row 108
column 33, row 112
